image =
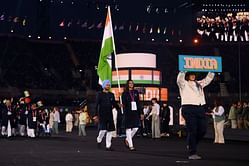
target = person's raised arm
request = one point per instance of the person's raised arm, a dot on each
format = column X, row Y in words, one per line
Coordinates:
column 181, row 79
column 207, row 80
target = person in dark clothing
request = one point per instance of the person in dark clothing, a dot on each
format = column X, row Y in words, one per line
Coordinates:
column 8, row 119
column 146, row 123
column 4, row 123
column 41, row 122
column 133, row 113
column 103, row 116
column 120, row 122
column 165, row 118
column 22, row 117
column 32, row 120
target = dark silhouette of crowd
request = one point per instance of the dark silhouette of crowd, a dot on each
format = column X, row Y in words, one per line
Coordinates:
column 227, row 28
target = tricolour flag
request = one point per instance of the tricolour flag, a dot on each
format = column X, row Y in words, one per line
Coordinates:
column 107, row 48
column 123, row 77
column 156, row 77
column 141, row 76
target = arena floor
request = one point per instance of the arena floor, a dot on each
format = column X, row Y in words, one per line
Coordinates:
column 72, row 150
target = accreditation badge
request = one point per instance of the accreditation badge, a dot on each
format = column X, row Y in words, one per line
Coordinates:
column 133, row 106
column 34, row 119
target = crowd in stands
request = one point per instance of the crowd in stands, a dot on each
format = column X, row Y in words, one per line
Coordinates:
column 226, row 28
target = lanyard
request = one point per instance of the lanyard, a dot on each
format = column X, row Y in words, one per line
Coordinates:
column 33, row 113
column 132, row 95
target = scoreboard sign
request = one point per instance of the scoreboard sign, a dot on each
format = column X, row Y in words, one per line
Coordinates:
column 200, row 63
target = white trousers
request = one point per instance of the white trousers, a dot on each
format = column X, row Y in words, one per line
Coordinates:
column 130, row 134
column 155, row 126
column 4, row 131
column 234, row 124
column 69, row 126
column 108, row 137
column 218, row 129
column 31, row 132
column 9, row 129
column 22, row 130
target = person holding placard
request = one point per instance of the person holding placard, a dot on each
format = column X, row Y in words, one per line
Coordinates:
column 193, row 108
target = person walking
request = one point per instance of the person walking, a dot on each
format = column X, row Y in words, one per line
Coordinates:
column 69, row 122
column 232, row 116
column 193, row 108
column 219, row 119
column 133, row 113
column 84, row 119
column 155, row 123
column 103, row 116
column 165, row 118
column 56, row 120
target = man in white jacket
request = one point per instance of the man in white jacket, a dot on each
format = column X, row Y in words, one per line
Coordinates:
column 193, row 108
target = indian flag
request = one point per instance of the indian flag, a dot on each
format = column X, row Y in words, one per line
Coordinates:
column 123, row 77
column 141, row 76
column 156, row 77
column 105, row 59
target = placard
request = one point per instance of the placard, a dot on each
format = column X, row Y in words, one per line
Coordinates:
column 200, row 63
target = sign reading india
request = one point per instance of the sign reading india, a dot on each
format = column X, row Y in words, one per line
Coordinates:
column 200, row 63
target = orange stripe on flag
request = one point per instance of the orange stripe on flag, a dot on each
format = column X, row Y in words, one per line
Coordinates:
column 120, row 72
column 107, row 20
column 156, row 73
column 141, row 72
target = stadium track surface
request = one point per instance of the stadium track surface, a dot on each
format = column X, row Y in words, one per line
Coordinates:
column 71, row 150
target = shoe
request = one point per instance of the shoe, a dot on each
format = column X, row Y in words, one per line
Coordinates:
column 99, row 145
column 109, row 149
column 132, row 149
column 163, row 134
column 194, row 157
column 126, row 143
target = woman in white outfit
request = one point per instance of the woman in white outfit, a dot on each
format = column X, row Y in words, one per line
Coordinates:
column 219, row 120
column 155, row 124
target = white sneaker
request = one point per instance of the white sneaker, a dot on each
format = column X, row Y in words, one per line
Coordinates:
column 194, row 157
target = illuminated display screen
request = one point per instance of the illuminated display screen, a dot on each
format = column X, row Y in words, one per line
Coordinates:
column 123, row 77
column 152, row 77
column 137, row 60
column 149, row 93
column 141, row 76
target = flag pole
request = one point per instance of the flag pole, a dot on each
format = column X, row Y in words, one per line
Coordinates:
column 115, row 55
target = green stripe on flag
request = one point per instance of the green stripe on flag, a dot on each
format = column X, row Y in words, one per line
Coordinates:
column 104, row 68
column 146, row 82
column 142, row 81
column 121, row 82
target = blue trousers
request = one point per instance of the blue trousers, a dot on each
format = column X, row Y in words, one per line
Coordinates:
column 196, row 124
